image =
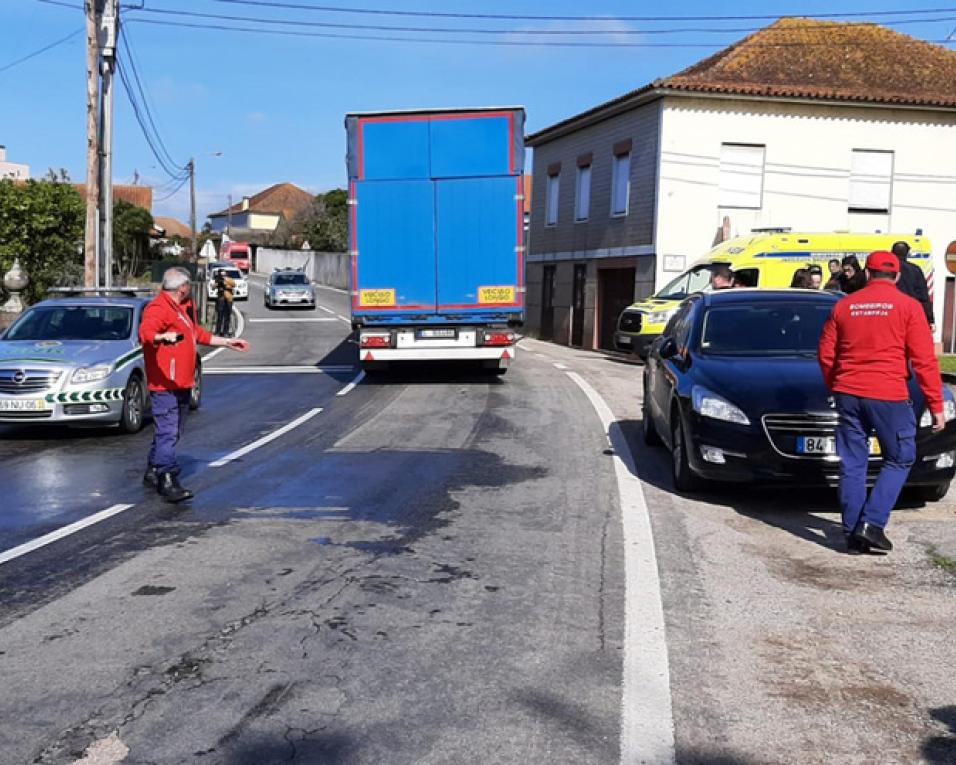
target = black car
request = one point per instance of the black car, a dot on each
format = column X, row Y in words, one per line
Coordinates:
column 734, row 389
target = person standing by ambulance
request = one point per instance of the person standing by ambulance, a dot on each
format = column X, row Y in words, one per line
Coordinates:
column 866, row 348
column 170, row 336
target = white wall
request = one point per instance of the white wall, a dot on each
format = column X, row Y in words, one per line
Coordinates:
column 14, row 170
column 806, row 173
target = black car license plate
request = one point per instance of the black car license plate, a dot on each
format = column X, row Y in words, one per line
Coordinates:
column 437, row 334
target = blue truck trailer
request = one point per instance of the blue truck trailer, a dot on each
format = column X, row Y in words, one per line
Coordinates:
column 436, row 222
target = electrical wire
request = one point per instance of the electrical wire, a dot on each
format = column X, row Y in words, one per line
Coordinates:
column 552, row 17
column 172, row 193
column 537, row 32
column 44, row 49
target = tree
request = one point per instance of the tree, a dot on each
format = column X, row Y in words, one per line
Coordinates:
column 41, row 223
column 131, row 227
column 325, row 224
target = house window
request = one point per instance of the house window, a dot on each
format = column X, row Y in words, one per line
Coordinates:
column 871, row 181
column 582, row 196
column 620, row 183
column 741, row 175
column 551, row 199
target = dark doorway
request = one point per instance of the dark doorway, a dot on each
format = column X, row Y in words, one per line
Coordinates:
column 547, row 304
column 615, row 293
column 577, row 304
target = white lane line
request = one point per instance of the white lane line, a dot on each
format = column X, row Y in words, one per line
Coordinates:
column 343, row 318
column 279, row 370
column 327, row 310
column 539, row 355
column 53, row 536
column 331, row 289
column 266, row 439
column 351, row 386
column 647, row 720
column 560, row 366
column 212, row 354
column 288, row 321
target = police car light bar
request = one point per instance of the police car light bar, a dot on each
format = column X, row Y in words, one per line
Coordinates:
column 100, row 291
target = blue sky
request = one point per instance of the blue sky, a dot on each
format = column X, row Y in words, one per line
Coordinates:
column 273, row 106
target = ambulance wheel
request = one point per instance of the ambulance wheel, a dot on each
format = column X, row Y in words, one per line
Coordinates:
column 134, row 405
column 932, row 493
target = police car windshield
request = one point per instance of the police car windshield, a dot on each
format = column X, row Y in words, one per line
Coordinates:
column 282, row 279
column 764, row 329
column 695, row 280
column 73, row 323
column 232, row 273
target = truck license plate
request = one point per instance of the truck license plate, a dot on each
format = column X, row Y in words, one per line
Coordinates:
column 826, row 445
column 437, row 334
column 23, row 405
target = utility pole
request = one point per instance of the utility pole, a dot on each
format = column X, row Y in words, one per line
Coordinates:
column 109, row 30
column 91, row 237
column 192, row 205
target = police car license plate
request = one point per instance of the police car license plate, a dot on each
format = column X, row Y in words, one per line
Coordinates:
column 23, row 405
column 826, row 446
column 624, row 340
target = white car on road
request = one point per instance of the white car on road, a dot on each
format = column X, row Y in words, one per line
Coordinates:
column 241, row 290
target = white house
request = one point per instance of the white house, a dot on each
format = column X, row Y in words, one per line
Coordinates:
column 13, row 170
column 812, row 125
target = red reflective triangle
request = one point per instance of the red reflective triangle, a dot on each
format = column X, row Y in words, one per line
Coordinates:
column 369, row 357
column 506, row 355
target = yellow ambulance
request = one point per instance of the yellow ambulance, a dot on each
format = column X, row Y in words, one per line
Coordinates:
column 764, row 258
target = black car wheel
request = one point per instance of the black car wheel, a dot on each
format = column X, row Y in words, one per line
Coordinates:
column 134, row 405
column 195, row 395
column 684, row 478
column 651, row 437
column 932, row 493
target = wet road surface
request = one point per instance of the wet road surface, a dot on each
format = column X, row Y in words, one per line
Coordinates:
column 427, row 570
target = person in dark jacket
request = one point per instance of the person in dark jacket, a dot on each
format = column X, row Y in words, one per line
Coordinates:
column 853, row 277
column 836, row 271
column 867, row 347
column 913, row 282
column 801, row 280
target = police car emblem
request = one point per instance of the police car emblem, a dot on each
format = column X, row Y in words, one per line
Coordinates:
column 19, row 377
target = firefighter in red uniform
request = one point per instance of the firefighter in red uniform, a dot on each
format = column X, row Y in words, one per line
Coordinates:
column 170, row 335
column 866, row 349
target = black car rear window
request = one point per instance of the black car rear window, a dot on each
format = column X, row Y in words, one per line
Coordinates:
column 763, row 329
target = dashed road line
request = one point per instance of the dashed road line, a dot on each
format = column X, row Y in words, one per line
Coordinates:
column 344, row 318
column 292, row 369
column 268, row 438
column 327, row 310
column 560, row 366
column 351, row 386
column 647, row 720
column 53, row 536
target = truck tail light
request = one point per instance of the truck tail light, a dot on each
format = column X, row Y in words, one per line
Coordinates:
column 498, row 338
column 376, row 341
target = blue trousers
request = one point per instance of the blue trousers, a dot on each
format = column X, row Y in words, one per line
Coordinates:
column 895, row 425
column 169, row 418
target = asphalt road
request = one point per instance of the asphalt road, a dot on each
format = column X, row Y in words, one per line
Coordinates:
column 429, row 569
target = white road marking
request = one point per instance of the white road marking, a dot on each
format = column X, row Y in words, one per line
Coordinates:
column 231, row 457
column 559, row 366
column 212, row 354
column 280, row 370
column 331, row 289
column 539, row 355
column 351, row 386
column 288, row 321
column 240, row 328
column 647, row 720
column 327, row 310
column 343, row 318
column 53, row 536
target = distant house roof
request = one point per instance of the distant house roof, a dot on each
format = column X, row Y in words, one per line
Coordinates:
column 141, row 196
column 808, row 58
column 285, row 199
column 167, row 227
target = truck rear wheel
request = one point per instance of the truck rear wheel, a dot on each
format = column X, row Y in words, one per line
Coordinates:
column 372, row 368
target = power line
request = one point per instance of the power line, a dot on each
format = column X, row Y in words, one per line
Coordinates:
column 500, row 43
column 484, row 31
column 44, row 49
column 552, row 17
column 174, row 192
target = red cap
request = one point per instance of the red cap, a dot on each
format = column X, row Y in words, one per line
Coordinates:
column 883, row 261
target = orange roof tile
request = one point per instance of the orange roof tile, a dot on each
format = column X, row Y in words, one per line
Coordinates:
column 141, row 196
column 285, row 199
column 173, row 227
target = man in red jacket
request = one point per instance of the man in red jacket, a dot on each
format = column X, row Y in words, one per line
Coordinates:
column 866, row 348
column 170, row 335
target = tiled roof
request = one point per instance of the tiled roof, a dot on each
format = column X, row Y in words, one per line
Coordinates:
column 283, row 199
column 810, row 58
column 141, row 196
column 172, row 227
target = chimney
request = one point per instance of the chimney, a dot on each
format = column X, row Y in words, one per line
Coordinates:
column 245, row 203
column 3, row 153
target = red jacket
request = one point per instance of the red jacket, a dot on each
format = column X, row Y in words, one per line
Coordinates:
column 869, row 341
column 170, row 367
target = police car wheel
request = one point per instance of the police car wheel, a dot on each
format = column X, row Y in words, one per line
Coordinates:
column 684, row 478
column 195, row 394
column 134, row 406
column 651, row 437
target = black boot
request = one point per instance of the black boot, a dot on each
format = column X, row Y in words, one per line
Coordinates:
column 151, row 477
column 867, row 533
column 171, row 490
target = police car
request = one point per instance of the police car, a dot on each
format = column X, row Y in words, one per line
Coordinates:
column 288, row 287
column 77, row 360
column 240, row 290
